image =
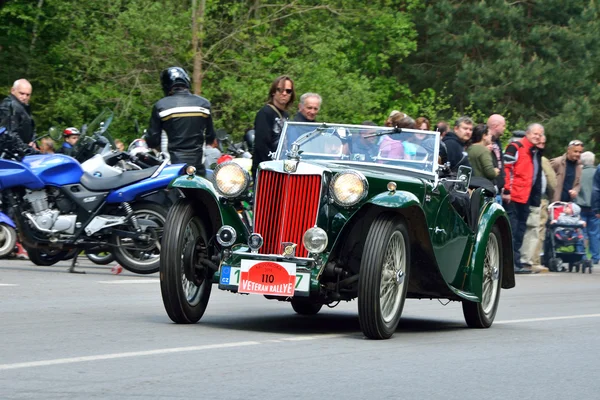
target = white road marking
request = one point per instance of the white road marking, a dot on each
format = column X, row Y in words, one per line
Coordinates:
column 132, row 281
column 517, row 321
column 112, row 356
column 8, row 284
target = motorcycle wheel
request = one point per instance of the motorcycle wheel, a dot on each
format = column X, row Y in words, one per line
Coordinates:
column 8, row 240
column 100, row 258
column 142, row 257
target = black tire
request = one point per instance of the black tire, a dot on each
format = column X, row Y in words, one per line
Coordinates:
column 142, row 257
column 185, row 242
column 586, row 264
column 304, row 307
column 100, row 258
column 387, row 243
column 482, row 314
column 555, row 265
column 8, row 240
column 46, row 257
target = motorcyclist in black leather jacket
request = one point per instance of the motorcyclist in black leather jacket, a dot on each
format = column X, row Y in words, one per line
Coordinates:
column 16, row 112
column 185, row 117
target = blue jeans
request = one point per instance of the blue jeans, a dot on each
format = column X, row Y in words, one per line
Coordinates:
column 592, row 233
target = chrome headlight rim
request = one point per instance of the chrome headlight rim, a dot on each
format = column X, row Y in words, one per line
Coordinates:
column 362, row 179
column 226, row 236
column 243, row 187
column 322, row 247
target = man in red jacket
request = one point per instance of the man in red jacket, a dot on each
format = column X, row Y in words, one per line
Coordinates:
column 522, row 188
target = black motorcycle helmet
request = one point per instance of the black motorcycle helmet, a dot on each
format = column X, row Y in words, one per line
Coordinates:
column 173, row 77
column 249, row 140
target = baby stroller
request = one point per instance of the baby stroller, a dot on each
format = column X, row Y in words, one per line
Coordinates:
column 564, row 242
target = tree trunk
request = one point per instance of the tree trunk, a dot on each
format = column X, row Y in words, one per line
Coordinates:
column 34, row 33
column 198, row 10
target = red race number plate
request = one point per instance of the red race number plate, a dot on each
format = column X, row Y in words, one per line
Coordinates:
column 267, row 277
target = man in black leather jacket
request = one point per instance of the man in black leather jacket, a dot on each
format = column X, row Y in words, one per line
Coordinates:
column 15, row 110
column 185, row 117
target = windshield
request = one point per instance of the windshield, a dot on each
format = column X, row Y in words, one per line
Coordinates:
column 99, row 127
column 407, row 148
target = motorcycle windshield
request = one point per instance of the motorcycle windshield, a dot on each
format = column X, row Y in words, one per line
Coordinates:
column 98, row 127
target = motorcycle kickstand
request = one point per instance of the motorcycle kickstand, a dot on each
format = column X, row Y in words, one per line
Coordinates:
column 74, row 264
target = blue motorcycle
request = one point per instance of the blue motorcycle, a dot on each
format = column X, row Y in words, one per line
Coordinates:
column 60, row 210
column 8, row 235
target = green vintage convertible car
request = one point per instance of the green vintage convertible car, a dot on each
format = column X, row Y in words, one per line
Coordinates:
column 343, row 212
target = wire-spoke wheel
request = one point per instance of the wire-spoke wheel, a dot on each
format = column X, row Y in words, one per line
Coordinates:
column 185, row 283
column 482, row 314
column 137, row 256
column 8, row 239
column 383, row 277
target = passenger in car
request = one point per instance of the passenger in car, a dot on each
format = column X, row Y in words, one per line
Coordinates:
column 391, row 147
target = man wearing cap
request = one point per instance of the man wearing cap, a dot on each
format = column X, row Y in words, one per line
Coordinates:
column 568, row 172
column 70, row 136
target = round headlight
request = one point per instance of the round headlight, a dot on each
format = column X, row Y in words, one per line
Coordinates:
column 315, row 240
column 348, row 188
column 255, row 241
column 230, row 179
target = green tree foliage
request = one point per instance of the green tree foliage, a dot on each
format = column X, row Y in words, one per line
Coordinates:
column 531, row 61
column 110, row 54
column 537, row 60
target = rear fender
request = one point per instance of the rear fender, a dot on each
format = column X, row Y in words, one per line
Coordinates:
column 492, row 215
column 148, row 185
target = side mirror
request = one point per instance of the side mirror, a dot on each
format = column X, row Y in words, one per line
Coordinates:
column 54, row 134
column 463, row 179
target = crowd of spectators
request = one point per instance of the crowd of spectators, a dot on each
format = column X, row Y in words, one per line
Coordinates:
column 526, row 182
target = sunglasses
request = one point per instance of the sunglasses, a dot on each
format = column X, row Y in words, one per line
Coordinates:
column 575, row 143
column 288, row 91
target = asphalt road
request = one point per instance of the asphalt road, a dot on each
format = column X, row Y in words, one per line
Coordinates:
column 98, row 335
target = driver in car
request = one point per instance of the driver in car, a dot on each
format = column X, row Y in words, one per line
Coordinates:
column 362, row 147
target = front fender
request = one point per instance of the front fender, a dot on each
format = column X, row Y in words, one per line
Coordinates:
column 492, row 215
column 342, row 225
column 5, row 219
column 209, row 205
column 194, row 182
column 397, row 199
